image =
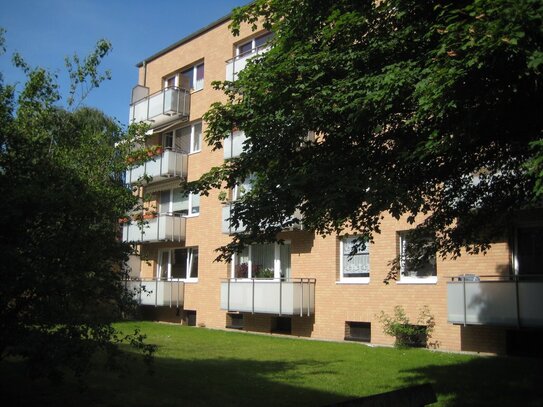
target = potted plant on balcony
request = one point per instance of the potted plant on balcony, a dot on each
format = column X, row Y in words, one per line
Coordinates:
column 263, row 272
column 241, row 270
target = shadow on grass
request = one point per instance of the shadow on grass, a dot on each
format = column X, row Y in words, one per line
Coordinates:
column 477, row 381
column 484, row 381
column 199, row 382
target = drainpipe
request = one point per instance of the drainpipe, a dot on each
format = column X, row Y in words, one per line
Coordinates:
column 145, row 73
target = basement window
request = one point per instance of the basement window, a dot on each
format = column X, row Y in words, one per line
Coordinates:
column 358, row 331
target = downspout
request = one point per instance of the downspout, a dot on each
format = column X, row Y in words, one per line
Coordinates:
column 145, row 73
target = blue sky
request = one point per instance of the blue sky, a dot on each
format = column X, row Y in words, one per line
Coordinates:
column 44, row 32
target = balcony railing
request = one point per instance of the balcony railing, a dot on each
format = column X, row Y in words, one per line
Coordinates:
column 238, row 63
column 168, row 164
column 169, row 104
column 233, row 144
column 496, row 300
column 280, row 297
column 228, row 228
column 162, row 228
column 157, row 292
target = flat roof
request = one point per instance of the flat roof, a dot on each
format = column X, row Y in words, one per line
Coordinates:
column 186, row 39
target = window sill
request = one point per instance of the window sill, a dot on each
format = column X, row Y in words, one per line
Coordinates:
column 418, row 280
column 195, row 152
column 193, row 91
column 354, row 281
column 192, row 215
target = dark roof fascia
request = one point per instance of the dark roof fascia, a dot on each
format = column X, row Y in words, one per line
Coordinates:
column 186, row 39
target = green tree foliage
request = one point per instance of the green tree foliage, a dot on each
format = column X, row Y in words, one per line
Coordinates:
column 421, row 107
column 61, row 257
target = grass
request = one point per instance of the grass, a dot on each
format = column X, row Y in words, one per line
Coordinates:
column 201, row 367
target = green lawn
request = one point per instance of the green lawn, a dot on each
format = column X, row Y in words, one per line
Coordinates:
column 201, row 367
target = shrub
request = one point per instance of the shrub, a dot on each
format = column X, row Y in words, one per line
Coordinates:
column 406, row 333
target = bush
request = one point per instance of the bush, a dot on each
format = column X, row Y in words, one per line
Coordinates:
column 406, row 333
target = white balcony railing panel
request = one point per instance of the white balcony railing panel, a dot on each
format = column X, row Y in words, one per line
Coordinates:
column 227, row 227
column 235, row 65
column 233, row 144
column 168, row 164
column 292, row 297
column 157, row 292
column 501, row 302
column 161, row 107
column 162, row 228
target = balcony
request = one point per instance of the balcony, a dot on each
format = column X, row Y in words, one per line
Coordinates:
column 233, row 144
column 228, row 228
column 162, row 107
column 288, row 297
column 235, row 65
column 515, row 301
column 162, row 228
column 159, row 293
column 168, row 164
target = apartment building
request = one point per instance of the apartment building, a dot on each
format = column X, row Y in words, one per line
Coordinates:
column 311, row 286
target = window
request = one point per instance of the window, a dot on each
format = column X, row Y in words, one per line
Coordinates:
column 178, row 264
column 175, row 201
column 270, row 260
column 171, row 81
column 254, row 44
column 189, row 138
column 528, row 250
column 194, row 77
column 415, row 269
column 241, row 189
column 354, row 261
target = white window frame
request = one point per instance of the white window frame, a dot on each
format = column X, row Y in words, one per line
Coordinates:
column 276, row 263
column 252, row 41
column 170, row 251
column 411, row 279
column 170, row 204
column 193, row 137
column 351, row 280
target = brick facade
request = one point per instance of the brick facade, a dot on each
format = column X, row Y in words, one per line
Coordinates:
column 312, row 256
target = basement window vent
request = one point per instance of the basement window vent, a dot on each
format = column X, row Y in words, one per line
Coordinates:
column 357, row 331
column 189, row 318
column 234, row 321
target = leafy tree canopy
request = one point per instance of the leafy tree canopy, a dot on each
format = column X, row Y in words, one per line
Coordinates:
column 420, row 107
column 62, row 197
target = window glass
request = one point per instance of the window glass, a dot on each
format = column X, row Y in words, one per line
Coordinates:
column 241, row 265
column 245, row 48
column 199, row 83
column 355, row 262
column 188, row 77
column 194, row 263
column 284, row 257
column 179, row 263
column 180, row 202
column 164, row 261
column 195, row 204
column 414, row 267
column 197, row 137
column 170, row 82
column 262, row 40
column 164, row 204
column 168, row 140
column 183, row 139
column 262, row 257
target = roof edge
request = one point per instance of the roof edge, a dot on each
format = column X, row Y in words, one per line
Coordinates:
column 185, row 39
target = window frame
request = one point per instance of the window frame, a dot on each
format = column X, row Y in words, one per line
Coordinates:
column 403, row 238
column 276, row 263
column 190, row 259
column 352, row 280
column 252, row 41
column 190, row 199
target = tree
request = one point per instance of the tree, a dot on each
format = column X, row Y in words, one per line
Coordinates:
column 420, row 107
column 62, row 197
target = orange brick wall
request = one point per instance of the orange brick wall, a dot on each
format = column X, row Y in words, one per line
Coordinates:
column 312, row 256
